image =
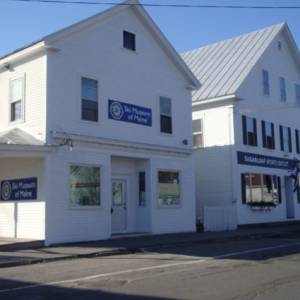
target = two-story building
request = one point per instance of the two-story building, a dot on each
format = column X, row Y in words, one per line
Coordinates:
column 96, row 132
column 246, row 128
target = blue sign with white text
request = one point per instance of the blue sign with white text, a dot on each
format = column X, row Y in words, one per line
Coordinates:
column 18, row 189
column 126, row 112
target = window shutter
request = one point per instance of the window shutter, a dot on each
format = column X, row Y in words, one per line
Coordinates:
column 290, row 140
column 297, row 140
column 243, row 185
column 263, row 128
column 281, row 137
column 244, row 130
column 298, row 195
column 255, row 132
column 273, row 136
column 279, row 189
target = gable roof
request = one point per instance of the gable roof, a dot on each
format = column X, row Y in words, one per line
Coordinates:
column 222, row 67
column 137, row 7
column 17, row 136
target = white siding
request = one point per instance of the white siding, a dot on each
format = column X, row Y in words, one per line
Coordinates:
column 23, row 219
column 138, row 78
column 34, row 71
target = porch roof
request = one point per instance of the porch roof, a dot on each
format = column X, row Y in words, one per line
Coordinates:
column 17, row 139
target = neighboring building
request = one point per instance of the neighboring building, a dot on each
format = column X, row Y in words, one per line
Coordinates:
column 246, row 128
column 96, row 133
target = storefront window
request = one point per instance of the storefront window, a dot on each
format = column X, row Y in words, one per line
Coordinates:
column 260, row 188
column 169, row 188
column 84, row 186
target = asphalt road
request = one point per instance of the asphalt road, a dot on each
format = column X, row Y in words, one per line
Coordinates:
column 239, row 270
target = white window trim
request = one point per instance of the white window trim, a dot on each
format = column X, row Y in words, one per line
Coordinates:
column 261, row 187
column 84, row 207
column 22, row 120
column 199, row 132
column 180, row 188
column 263, row 83
column 88, row 122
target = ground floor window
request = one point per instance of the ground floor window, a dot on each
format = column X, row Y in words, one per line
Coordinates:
column 142, row 189
column 169, row 188
column 84, row 186
column 261, row 189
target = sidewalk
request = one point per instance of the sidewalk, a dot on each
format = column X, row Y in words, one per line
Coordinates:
column 12, row 255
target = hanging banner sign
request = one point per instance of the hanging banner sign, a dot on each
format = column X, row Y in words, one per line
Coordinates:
column 121, row 111
column 18, row 189
column 251, row 159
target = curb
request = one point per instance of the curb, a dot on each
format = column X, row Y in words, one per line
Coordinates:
column 132, row 250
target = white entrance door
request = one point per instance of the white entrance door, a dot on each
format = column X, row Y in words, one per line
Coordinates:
column 290, row 208
column 119, row 207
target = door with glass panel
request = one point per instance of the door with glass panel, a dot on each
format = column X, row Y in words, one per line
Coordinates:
column 119, row 206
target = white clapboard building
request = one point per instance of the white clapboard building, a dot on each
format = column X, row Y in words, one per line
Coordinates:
column 246, row 128
column 96, row 133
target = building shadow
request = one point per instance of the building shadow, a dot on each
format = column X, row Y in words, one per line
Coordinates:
column 55, row 292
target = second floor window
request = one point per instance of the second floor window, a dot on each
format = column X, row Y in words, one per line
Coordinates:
column 282, row 89
column 268, row 135
column 285, row 138
column 165, row 115
column 198, row 133
column 266, row 84
column 17, row 100
column 249, row 131
column 297, row 141
column 89, row 99
column 297, row 90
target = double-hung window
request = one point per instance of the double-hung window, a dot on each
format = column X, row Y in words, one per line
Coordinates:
column 268, row 135
column 297, row 91
column 282, row 89
column 266, row 83
column 249, row 131
column 285, row 139
column 198, row 133
column 17, row 99
column 166, row 125
column 89, row 99
column 297, row 140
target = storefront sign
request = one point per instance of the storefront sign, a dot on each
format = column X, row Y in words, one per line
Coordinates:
column 251, row 159
column 18, row 189
column 126, row 112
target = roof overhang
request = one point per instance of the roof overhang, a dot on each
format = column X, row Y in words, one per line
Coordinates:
column 13, row 149
column 18, row 56
column 218, row 100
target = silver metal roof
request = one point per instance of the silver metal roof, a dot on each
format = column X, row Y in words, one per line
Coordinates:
column 223, row 66
column 17, row 136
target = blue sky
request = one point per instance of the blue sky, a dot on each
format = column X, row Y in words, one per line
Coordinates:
column 23, row 23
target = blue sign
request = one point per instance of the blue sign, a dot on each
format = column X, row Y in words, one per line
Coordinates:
column 19, row 189
column 252, row 159
column 126, row 112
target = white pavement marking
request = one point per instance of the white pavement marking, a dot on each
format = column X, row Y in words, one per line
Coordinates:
column 232, row 254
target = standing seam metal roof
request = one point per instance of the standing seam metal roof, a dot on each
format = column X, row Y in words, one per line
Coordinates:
column 222, row 67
